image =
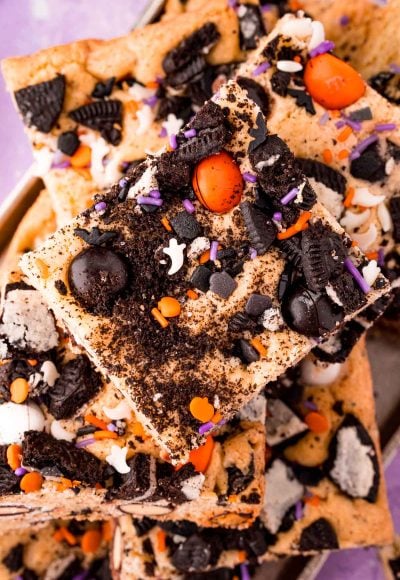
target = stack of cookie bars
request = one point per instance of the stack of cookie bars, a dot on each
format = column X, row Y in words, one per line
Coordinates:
column 185, row 389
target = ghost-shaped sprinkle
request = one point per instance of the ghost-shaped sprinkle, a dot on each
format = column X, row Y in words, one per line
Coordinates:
column 117, row 459
column 175, row 252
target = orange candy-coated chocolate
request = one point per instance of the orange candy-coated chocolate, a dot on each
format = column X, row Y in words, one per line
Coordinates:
column 19, row 390
column 218, row 183
column 333, row 83
column 31, row 482
column 201, row 409
column 169, row 307
column 200, row 457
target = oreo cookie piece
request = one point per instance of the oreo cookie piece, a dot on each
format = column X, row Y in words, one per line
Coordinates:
column 186, row 226
column 282, row 423
column 259, row 133
column 260, row 228
column 282, row 492
column 387, row 84
column 8, row 481
column 14, row 560
column 238, row 480
column 179, row 106
column 207, row 142
column 103, row 88
column 320, row 535
column 173, row 174
column 352, row 463
column 180, row 528
column 42, row 451
column 310, row 313
column 347, row 293
column 241, row 321
column 323, row 174
column 280, row 81
column 308, row 476
column 40, row 105
column 68, row 142
column 256, row 93
column 101, row 116
column 394, row 208
column 337, row 348
column 184, row 75
column 138, row 481
column 302, row 99
column 77, row 384
column 370, row 165
column 194, row 44
column 194, row 554
column 251, row 25
column 95, row 237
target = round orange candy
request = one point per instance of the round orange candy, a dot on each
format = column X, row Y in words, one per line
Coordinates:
column 169, row 307
column 201, row 409
column 333, row 83
column 30, row 482
column 218, row 183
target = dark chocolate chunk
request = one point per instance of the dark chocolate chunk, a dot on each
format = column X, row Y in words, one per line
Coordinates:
column 257, row 303
column 40, row 105
column 352, row 444
column 370, row 165
column 323, row 174
column 260, row 228
column 101, row 116
column 280, row 81
column 103, row 89
column 77, row 384
column 310, row 313
column 8, row 481
column 302, row 99
column 186, row 226
column 97, row 276
column 41, row 451
column 348, row 292
column 364, row 114
column 259, row 133
column 256, row 93
column 251, row 25
column 238, row 481
column 222, row 284
column 248, row 353
column 193, row 45
column 201, row 278
column 15, row 558
column 192, row 555
column 320, row 535
column 387, row 84
column 394, row 208
column 95, row 237
column 68, row 142
column 241, row 321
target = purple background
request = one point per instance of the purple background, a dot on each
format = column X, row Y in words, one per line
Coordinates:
column 29, row 25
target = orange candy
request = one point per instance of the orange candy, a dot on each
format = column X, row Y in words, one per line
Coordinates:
column 82, row 157
column 14, row 453
column 332, row 83
column 162, row 321
column 218, row 183
column 31, row 482
column 90, row 541
column 316, row 422
column 19, row 390
column 201, row 409
column 93, row 420
column 200, row 457
column 169, row 307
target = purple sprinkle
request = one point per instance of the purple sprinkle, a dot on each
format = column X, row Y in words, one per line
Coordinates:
column 112, row 427
column 322, row 48
column 206, row 427
column 222, row 422
column 277, row 216
column 395, row 68
column 253, row 254
column 232, row 3
column 324, row 118
column 379, row 2
column 146, row 200
column 290, row 196
column 340, row 124
column 261, row 68
column 61, row 165
column 163, row 132
column 173, row 142
column 249, row 177
column 85, row 442
column 310, row 405
column 355, row 125
column 381, row 257
column 123, row 182
column 81, row 575
column 344, row 20
column 20, row 471
column 361, row 146
column 299, row 510
column 189, row 207
column 190, row 133
column 151, row 101
column 266, row 8
column 101, row 206
column 244, row 572
column 213, row 251
column 155, row 194
column 385, row 126
column 357, row 276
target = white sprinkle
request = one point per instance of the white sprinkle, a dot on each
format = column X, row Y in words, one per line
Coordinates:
column 371, row 272
column 384, row 217
column 121, row 411
column 58, row 432
column 289, row 66
column 117, row 459
column 175, row 252
column 145, row 116
column 139, row 93
column 350, row 221
column 389, row 166
column 49, row 372
column 318, row 34
column 366, row 239
column 363, row 196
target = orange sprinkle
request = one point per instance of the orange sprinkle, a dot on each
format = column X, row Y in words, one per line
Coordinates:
column 297, row 58
column 169, row 307
column 138, row 430
column 107, row 530
column 242, row 556
column 327, row 155
column 297, row 227
column 204, row 257
column 313, row 500
column 93, row 420
column 166, row 224
column 201, row 409
column 217, row 417
column 192, row 294
column 32, row 361
column 258, row 345
column 31, row 482
column 14, row 453
column 348, row 200
column 345, row 134
column 233, row 498
column 200, row 457
column 161, row 540
column 152, row 85
column 105, row 434
column 316, row 422
column 68, row 536
column 131, row 107
column 343, row 154
column 19, row 390
column 82, row 157
column 90, row 541
column 163, row 322
column 372, row 255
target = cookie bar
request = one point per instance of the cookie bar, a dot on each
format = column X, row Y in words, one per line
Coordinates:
column 178, row 363
column 324, row 484
column 112, row 101
column 62, row 549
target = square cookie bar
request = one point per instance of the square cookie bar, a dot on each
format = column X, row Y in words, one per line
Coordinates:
column 324, row 485
column 173, row 293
